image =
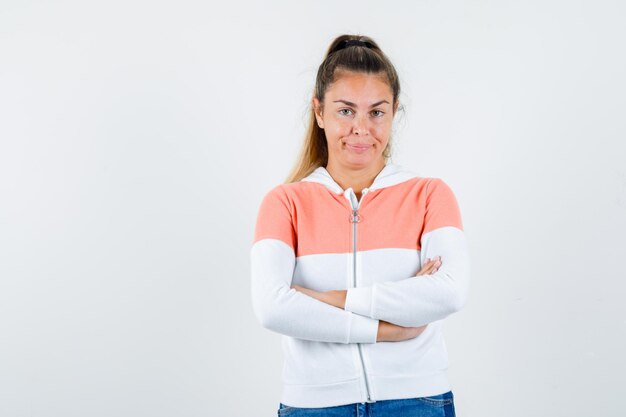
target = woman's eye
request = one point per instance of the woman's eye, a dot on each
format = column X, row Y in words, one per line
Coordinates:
column 380, row 113
column 342, row 110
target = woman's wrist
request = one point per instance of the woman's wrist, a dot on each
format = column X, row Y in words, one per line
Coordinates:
column 335, row 298
column 340, row 296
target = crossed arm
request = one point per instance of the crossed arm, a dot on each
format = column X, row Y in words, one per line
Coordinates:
column 308, row 314
column 337, row 298
column 387, row 331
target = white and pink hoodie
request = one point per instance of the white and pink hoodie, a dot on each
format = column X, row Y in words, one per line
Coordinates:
column 315, row 234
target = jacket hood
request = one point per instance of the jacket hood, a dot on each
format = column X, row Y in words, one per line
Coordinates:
column 391, row 174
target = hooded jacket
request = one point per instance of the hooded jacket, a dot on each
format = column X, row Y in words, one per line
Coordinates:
column 315, row 234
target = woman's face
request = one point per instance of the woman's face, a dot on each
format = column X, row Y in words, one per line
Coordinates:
column 357, row 119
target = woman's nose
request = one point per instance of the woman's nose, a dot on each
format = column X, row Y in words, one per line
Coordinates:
column 360, row 125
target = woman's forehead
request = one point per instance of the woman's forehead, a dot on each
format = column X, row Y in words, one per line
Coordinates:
column 359, row 89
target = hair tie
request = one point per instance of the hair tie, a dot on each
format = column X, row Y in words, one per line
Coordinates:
column 353, row 42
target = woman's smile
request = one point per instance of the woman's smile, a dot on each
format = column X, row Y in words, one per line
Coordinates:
column 358, row 147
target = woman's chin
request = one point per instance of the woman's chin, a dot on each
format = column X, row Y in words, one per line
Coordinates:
column 362, row 160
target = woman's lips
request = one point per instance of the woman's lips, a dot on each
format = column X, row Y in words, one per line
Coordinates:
column 358, row 147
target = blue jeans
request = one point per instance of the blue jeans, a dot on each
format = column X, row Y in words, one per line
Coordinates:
column 441, row 405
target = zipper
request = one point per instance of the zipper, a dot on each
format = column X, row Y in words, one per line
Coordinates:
column 354, row 219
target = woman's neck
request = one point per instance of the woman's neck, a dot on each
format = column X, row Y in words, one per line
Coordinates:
column 357, row 179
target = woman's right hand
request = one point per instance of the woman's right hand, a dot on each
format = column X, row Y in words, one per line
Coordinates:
column 389, row 332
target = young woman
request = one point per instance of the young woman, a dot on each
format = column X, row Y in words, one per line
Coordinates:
column 356, row 260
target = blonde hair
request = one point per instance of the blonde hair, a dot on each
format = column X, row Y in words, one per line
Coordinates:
column 368, row 58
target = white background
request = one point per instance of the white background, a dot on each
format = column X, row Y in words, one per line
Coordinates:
column 138, row 137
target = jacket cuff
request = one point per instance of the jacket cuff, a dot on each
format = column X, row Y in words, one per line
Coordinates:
column 363, row 329
column 359, row 300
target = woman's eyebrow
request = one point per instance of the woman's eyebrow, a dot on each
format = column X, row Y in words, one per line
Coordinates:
column 349, row 103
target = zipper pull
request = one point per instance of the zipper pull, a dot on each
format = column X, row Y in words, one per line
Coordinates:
column 355, row 217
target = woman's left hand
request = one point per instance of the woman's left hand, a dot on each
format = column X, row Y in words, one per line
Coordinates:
column 335, row 298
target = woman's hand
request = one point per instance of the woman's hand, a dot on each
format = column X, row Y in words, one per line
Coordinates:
column 430, row 266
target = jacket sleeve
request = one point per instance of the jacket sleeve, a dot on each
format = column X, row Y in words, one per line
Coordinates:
column 418, row 300
column 283, row 309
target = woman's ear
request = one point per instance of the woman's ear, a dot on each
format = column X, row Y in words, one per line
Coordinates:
column 318, row 113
